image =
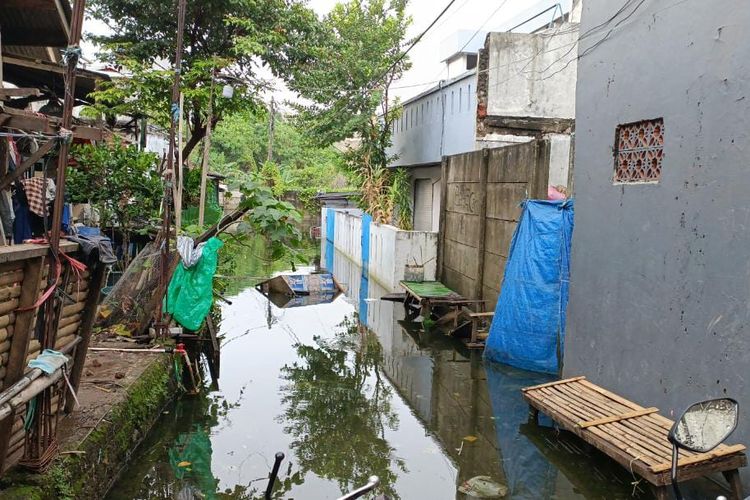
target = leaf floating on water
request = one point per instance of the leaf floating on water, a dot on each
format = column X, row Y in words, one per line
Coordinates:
column 470, row 439
column 184, row 463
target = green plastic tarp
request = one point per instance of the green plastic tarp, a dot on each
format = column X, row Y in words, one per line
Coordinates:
column 190, row 292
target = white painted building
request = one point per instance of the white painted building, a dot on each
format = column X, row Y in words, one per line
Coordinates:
column 503, row 88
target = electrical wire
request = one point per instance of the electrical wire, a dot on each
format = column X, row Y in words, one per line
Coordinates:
column 415, row 41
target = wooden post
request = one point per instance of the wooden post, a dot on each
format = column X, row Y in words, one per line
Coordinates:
column 206, row 148
column 96, row 282
column 479, row 284
column 19, row 347
column 179, row 179
column 735, row 483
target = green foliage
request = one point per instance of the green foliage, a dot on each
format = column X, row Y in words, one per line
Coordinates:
column 239, row 149
column 230, row 36
column 400, row 193
column 119, row 181
column 349, row 92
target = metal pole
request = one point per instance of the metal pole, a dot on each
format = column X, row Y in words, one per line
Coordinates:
column 206, row 148
column 170, row 159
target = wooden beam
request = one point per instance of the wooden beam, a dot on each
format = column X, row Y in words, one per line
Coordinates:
column 22, row 92
column 63, row 18
column 617, row 418
column 22, row 333
column 550, row 384
column 96, row 282
column 14, row 118
column 721, row 451
column 26, row 165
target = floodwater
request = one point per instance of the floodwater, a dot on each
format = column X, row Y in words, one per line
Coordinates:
column 346, row 390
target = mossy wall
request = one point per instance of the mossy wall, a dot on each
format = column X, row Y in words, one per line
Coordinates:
column 107, row 448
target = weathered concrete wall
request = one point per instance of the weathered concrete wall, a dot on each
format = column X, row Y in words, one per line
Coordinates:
column 482, row 195
column 533, row 75
column 392, row 249
column 659, row 305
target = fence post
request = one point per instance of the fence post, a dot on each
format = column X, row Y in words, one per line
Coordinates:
column 96, row 281
column 479, row 285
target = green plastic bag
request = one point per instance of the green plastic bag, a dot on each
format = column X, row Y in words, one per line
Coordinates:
column 190, row 292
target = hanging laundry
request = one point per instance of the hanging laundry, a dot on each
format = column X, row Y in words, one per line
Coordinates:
column 15, row 155
column 6, row 213
column 22, row 222
column 35, row 194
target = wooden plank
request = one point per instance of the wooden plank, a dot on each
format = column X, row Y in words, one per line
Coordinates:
column 26, row 165
column 610, row 395
column 617, row 418
column 19, row 92
column 622, row 457
column 20, row 344
column 486, row 314
column 715, row 453
column 96, row 282
column 550, row 384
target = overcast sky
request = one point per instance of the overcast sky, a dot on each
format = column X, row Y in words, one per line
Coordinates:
column 471, row 15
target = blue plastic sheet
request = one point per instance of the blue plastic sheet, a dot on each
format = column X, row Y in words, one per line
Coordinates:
column 528, row 330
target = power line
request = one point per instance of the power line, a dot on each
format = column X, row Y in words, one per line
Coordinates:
column 415, row 41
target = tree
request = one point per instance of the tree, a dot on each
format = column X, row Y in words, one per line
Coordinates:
column 231, row 36
column 239, row 149
column 120, row 182
column 347, row 80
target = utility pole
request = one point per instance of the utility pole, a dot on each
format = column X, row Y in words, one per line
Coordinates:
column 206, row 148
column 271, row 129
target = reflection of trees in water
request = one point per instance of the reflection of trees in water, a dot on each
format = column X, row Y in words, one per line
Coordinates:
column 338, row 407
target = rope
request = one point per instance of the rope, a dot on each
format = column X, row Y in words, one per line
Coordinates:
column 71, row 55
column 77, row 267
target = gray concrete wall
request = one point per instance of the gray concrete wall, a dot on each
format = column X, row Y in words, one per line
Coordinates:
column 533, row 75
column 482, row 192
column 659, row 305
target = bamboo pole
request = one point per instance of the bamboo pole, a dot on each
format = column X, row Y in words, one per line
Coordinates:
column 206, row 149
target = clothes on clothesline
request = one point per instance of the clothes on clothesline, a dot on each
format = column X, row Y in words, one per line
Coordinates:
column 36, row 196
column 22, row 222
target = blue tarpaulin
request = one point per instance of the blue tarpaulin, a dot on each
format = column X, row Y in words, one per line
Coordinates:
column 528, row 329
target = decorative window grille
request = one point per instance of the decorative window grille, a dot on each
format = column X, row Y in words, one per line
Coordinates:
column 639, row 151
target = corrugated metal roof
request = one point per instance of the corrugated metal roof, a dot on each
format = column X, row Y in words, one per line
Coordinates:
column 35, row 22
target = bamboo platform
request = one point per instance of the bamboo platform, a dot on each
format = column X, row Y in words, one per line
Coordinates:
column 428, row 296
column 634, row 436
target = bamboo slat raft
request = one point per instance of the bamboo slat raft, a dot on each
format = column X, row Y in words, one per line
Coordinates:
column 634, row 436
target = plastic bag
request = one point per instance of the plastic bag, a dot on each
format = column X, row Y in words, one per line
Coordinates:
column 190, row 292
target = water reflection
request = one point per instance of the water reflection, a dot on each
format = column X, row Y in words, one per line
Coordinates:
column 338, row 407
column 344, row 402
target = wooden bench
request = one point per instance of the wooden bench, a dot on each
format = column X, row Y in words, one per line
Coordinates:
column 634, row 436
column 477, row 334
